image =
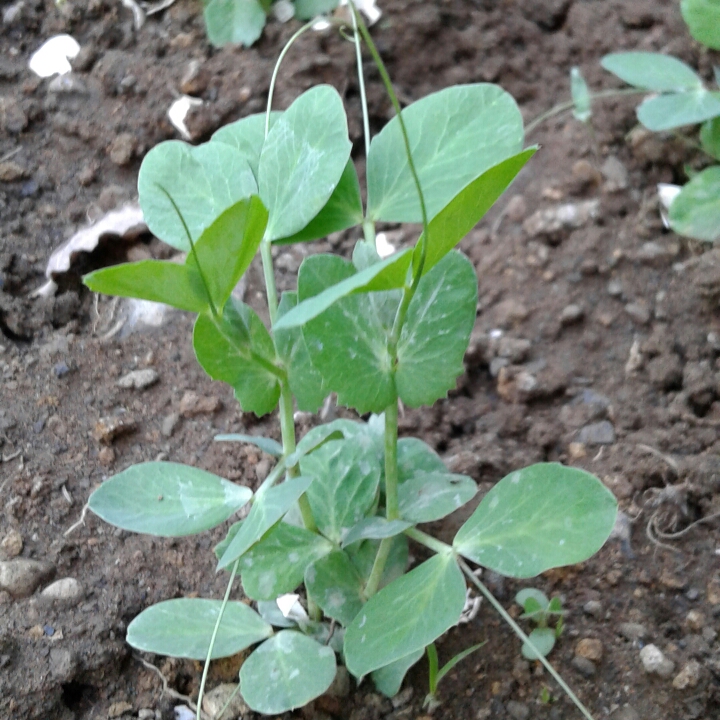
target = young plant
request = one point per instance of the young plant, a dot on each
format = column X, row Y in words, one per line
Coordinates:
column 540, row 610
column 677, row 97
column 337, row 512
column 437, row 673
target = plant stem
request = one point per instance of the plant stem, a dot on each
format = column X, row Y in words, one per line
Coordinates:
column 570, row 104
column 433, row 667
column 368, row 227
column 361, row 85
column 392, row 511
column 269, row 275
column 518, row 631
column 212, row 638
column 428, row 541
column 373, row 582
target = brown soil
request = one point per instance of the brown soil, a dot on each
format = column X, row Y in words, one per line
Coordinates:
column 619, row 332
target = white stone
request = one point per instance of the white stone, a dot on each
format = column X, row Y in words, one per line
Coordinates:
column 67, row 589
column 654, row 661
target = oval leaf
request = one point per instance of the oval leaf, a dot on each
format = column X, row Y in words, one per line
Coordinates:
column 703, row 21
column 695, row 212
column 183, row 627
column 375, row 528
column 202, row 181
column 429, row 496
column 246, row 135
column 652, row 71
column 335, row 585
column 455, row 134
column 710, row 137
column 544, row 641
column 388, row 679
column 406, row 615
column 167, row 499
column 286, row 672
column 269, row 505
column 436, row 332
column 302, row 160
column 234, row 21
column 537, row 518
column 267, row 445
column 666, row 112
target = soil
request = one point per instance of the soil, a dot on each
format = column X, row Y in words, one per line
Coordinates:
column 595, row 345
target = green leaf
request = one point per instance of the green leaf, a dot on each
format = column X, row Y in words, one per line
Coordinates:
column 276, row 564
column 302, row 160
column 406, row 615
column 286, row 672
column 710, row 137
column 203, row 181
column 429, row 496
column 580, row 95
column 320, row 434
column 308, row 9
column 414, row 455
column 167, row 499
column 388, row 679
column 306, row 383
column 267, row 445
column 225, row 249
column 666, row 112
column 234, row 21
column 247, row 136
column 703, row 21
column 269, row 505
column 532, row 600
column 455, row 135
column 652, row 71
column 385, row 275
column 695, row 212
column 183, row 627
column 342, row 211
column 450, row 664
column 346, row 479
column 348, row 342
column 537, row 518
column 436, row 332
column 363, row 557
column 555, row 607
column 543, row 639
column 335, row 585
column 271, row 613
column 239, row 352
column 468, row 207
column 154, row 280
column 375, row 528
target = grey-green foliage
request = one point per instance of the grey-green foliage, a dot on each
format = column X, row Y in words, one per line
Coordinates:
column 541, row 611
column 374, row 331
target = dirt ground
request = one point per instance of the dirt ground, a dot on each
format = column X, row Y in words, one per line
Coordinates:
column 595, row 345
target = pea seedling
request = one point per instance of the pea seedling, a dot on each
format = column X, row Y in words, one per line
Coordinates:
column 336, row 513
column 540, row 610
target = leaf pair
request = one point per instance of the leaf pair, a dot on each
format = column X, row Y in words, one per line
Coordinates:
column 683, row 99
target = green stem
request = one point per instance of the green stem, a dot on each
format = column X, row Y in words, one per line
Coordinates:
column 373, row 582
column 433, row 668
column 213, row 637
column 276, row 70
column 518, row 631
column 570, row 104
column 368, row 227
column 361, row 85
column 268, row 274
column 428, row 541
column 392, row 511
column 406, row 140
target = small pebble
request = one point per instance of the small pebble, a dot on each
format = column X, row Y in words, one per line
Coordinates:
column 654, row 661
column 584, row 666
column 138, row 379
column 60, row 369
column 192, row 404
column 695, row 620
column 146, row 714
column 639, row 312
column 65, row 589
column 633, row 631
column 689, row 676
column 106, row 456
column 122, row 149
column 590, row 649
column 169, row 424
column 12, row 544
column 593, row 608
column 110, row 428
column 615, row 289
column 215, row 700
column 599, row 433
column 572, row 314
column 517, row 710
column 21, row 576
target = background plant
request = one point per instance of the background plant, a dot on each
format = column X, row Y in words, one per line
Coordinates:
column 338, row 510
column 541, row 612
column 677, row 97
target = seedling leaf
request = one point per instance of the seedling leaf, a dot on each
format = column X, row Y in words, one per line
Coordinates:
column 652, row 71
column 302, row 160
column 229, row 352
column 276, row 564
column 335, row 585
column 375, row 528
column 468, row 207
column 247, row 136
column 543, row 639
column 406, row 615
column 429, row 496
column 269, row 505
column 388, row 679
column 580, row 95
column 695, row 212
column 450, row 664
column 267, row 445
column 167, row 499
column 156, row 280
column 436, row 332
column 455, row 134
column 537, row 518
column 537, row 599
column 703, row 21
column 673, row 110
column 347, row 476
column 285, row 672
column 203, row 181
column 234, row 21
column 710, row 137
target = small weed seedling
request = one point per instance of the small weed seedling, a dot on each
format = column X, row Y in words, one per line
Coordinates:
column 339, row 508
column 541, row 611
column 437, row 673
column 677, row 97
